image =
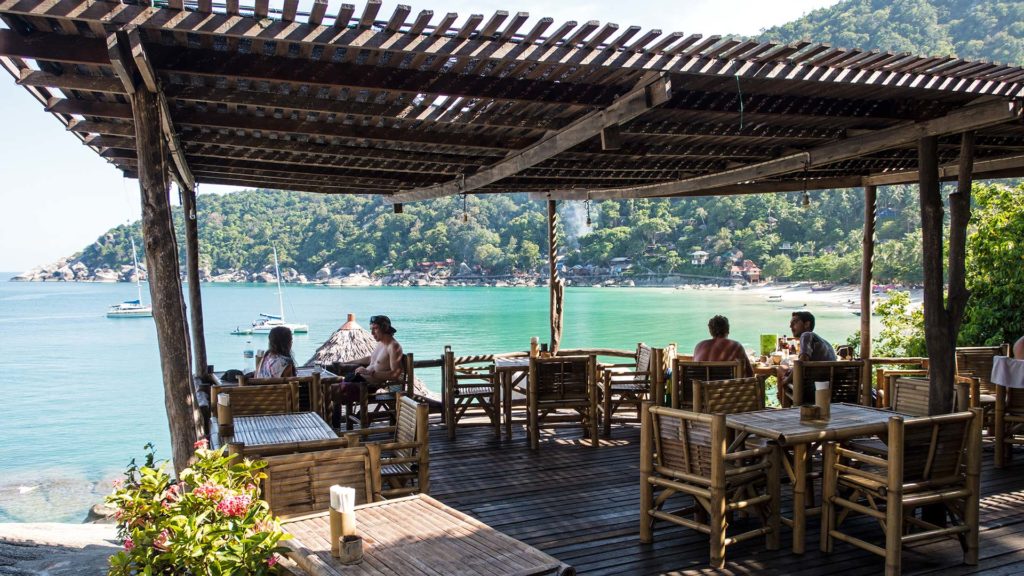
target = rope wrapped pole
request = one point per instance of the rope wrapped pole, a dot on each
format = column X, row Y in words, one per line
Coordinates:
column 556, row 283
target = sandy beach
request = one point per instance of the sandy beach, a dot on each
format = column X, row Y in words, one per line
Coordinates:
column 799, row 295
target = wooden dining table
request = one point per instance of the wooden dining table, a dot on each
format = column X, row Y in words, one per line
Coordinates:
column 511, row 372
column 785, row 428
column 274, row 429
column 417, row 535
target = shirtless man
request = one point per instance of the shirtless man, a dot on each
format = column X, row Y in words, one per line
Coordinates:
column 384, row 364
column 720, row 348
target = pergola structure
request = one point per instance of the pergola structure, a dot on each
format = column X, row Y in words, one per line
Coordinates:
column 343, row 99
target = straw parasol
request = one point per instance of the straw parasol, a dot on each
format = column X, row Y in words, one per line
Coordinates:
column 352, row 342
column 348, row 343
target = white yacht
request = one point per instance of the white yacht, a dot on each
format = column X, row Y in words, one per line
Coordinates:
column 132, row 308
column 267, row 322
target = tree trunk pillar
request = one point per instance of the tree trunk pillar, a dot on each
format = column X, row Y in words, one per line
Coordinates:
column 867, row 260
column 195, row 297
column 556, row 283
column 164, row 278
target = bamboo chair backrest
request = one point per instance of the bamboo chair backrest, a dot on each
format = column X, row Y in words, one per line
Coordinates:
column 934, row 448
column 684, row 372
column 561, row 378
column 976, row 361
column 1015, row 401
column 407, row 424
column 264, row 450
column 643, row 363
column 727, row 396
column 265, row 399
column 478, row 370
column 682, row 440
column 910, row 396
column 843, row 376
column 301, row 483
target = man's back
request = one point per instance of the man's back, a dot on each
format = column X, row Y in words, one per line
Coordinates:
column 722, row 350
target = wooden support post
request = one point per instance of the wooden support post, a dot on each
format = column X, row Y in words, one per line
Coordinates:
column 164, row 278
column 556, row 283
column 867, row 257
column 195, row 297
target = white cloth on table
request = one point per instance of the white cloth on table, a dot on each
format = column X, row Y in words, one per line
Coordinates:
column 1008, row 372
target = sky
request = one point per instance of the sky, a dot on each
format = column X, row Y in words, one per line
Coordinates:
column 59, row 196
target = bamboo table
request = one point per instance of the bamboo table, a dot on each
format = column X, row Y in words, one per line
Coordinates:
column 511, row 372
column 271, row 429
column 785, row 428
column 417, row 535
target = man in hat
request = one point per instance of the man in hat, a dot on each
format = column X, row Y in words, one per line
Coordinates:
column 382, row 365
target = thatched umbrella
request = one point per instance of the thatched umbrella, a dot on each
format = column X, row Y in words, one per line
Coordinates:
column 352, row 342
column 348, row 343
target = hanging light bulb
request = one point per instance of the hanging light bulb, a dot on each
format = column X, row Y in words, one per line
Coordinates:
column 588, row 212
column 807, row 199
column 465, row 211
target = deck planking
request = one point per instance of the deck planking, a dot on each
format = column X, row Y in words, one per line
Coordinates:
column 581, row 505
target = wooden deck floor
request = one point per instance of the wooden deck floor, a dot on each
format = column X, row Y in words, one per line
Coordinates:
column 581, row 505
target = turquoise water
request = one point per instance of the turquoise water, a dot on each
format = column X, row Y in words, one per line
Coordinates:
column 82, row 393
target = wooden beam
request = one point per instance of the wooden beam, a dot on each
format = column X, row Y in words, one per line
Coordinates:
column 149, row 76
column 952, row 171
column 165, row 280
column 867, row 260
column 651, row 93
column 44, row 46
column 738, row 189
column 969, row 118
column 556, row 284
column 70, row 81
column 195, row 294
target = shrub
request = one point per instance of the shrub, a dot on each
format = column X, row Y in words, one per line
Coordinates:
column 210, row 521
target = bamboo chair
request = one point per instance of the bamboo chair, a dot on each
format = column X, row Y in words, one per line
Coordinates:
column 911, row 366
column 686, row 453
column 974, row 370
column 256, row 400
column 379, row 405
column 931, row 461
column 301, row 483
column 405, row 455
column 310, row 389
column 625, row 384
column 844, row 376
column 471, row 388
column 1009, row 422
column 558, row 384
column 728, row 396
column 684, row 372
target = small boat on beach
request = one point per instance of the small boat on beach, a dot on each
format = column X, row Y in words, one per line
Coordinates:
column 267, row 322
column 822, row 287
column 775, row 298
column 132, row 308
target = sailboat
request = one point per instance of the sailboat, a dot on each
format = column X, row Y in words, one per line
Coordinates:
column 267, row 322
column 132, row 308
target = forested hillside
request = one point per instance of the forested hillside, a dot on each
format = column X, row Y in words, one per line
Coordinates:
column 506, row 234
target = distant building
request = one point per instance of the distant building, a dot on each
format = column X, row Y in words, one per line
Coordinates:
column 698, row 257
column 620, row 265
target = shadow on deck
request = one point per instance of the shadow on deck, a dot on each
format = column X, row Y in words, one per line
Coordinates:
column 581, row 505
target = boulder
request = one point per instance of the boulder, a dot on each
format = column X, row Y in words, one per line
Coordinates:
column 264, row 277
column 63, row 273
column 323, row 273
column 105, row 275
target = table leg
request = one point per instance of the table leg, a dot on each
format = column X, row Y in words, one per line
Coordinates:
column 799, row 497
column 506, row 390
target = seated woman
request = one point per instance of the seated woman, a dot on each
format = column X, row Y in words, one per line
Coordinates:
column 278, row 361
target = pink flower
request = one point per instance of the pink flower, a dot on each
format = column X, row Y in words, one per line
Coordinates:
column 118, row 514
column 161, row 541
column 272, row 560
column 201, row 443
column 118, row 483
column 129, row 544
column 209, row 490
column 234, row 505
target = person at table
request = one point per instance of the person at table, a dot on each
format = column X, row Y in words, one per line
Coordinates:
column 1018, row 349
column 278, row 361
column 719, row 348
column 812, row 346
column 382, row 365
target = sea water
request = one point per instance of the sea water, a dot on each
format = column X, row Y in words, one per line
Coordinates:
column 82, row 393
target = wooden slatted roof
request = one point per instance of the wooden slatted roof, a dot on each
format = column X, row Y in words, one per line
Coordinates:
column 344, row 99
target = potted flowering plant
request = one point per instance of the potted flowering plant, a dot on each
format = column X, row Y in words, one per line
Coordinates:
column 209, row 521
